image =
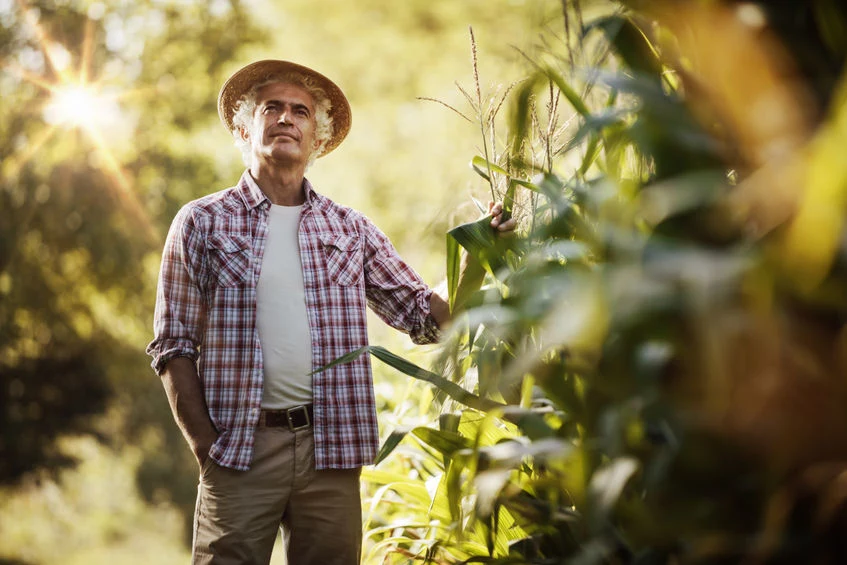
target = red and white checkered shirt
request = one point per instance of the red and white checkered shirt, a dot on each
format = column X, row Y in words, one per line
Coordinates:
column 206, row 310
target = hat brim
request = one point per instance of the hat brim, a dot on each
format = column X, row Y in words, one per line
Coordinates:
column 240, row 83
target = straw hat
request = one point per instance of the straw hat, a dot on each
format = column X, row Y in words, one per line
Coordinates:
column 240, row 83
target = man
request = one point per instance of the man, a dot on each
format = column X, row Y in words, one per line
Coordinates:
column 261, row 284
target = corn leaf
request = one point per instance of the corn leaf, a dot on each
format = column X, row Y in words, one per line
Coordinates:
column 630, row 44
column 607, row 485
column 520, row 111
column 488, row 485
column 569, row 93
column 481, row 172
column 478, row 239
column 449, row 388
column 449, row 422
column 474, row 236
column 452, row 482
column 391, row 442
column 453, row 268
column 414, row 492
column 531, row 423
column 509, row 200
column 480, row 162
column 442, row 441
column 527, row 184
column 595, row 124
column 592, row 151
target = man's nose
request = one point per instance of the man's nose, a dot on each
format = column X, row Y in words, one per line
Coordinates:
column 284, row 119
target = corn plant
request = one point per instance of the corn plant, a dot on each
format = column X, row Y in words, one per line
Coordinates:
column 653, row 372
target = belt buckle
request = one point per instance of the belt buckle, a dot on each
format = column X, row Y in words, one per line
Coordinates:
column 291, row 425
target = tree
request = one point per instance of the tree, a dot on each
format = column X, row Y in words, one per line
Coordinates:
column 97, row 102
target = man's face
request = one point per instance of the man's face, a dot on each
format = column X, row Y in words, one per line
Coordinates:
column 283, row 126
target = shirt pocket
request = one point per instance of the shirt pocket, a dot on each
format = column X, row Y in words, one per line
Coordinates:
column 230, row 258
column 343, row 258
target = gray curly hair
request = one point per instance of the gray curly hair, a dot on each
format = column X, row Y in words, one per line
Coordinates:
column 246, row 107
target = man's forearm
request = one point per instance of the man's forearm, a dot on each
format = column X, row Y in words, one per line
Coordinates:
column 185, row 395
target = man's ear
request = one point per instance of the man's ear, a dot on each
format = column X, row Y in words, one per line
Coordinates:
column 243, row 133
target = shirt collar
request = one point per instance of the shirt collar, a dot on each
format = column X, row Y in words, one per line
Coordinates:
column 250, row 192
column 253, row 196
column 311, row 195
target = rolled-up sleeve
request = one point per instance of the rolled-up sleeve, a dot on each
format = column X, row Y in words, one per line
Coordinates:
column 180, row 306
column 395, row 292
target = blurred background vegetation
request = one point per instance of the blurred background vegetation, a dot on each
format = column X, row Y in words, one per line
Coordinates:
column 654, row 370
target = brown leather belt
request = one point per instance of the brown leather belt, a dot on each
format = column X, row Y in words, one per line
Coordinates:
column 296, row 418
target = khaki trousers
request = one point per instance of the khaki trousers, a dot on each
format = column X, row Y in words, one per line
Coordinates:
column 239, row 513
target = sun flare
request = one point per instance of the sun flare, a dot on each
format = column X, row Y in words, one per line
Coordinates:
column 78, row 105
column 76, row 99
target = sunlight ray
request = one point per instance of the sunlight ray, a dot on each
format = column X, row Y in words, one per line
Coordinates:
column 87, row 52
column 13, row 166
column 125, row 194
column 43, row 40
column 23, row 74
column 112, row 164
column 136, row 93
column 77, row 102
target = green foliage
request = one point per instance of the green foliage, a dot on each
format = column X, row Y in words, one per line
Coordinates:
column 39, row 407
column 89, row 515
column 83, row 210
column 661, row 399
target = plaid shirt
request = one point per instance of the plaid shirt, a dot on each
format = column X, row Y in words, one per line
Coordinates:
column 206, row 310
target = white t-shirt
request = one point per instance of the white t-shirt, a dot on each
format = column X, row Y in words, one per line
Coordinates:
column 281, row 316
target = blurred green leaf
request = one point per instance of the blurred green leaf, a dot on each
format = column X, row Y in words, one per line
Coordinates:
column 629, row 44
column 607, row 484
column 527, row 184
column 488, row 486
column 530, row 423
column 831, row 21
column 520, row 121
column 509, row 200
column 596, row 123
column 510, row 454
column 414, row 492
column 570, row 94
column 592, row 152
column 449, row 422
column 453, row 269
